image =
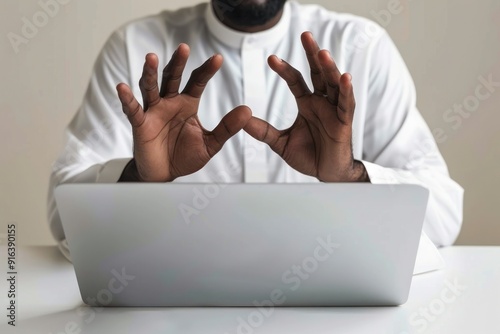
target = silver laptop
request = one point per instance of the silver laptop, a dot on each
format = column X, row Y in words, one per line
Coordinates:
column 243, row 244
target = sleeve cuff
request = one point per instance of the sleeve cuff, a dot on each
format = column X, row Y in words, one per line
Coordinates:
column 112, row 170
column 382, row 175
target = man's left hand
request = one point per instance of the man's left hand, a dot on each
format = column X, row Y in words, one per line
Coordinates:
column 319, row 143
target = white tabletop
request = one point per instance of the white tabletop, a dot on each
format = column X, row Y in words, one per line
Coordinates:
column 463, row 298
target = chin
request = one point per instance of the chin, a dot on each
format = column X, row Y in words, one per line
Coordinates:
column 254, row 2
column 252, row 13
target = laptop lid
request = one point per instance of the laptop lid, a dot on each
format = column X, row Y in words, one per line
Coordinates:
column 242, row 244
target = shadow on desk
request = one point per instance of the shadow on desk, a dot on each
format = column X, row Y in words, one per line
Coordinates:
column 315, row 320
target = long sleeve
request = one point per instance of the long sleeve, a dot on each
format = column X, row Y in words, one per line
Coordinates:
column 398, row 146
column 98, row 139
column 393, row 141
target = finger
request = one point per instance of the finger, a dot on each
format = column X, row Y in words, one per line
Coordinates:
column 172, row 73
column 149, row 82
column 130, row 106
column 312, row 49
column 230, row 125
column 202, row 75
column 266, row 133
column 293, row 77
column 347, row 102
column 332, row 76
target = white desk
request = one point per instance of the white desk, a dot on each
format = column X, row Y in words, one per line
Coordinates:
column 49, row 302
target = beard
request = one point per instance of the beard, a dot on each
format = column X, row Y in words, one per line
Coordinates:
column 250, row 13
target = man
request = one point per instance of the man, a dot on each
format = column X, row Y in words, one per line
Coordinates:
column 350, row 115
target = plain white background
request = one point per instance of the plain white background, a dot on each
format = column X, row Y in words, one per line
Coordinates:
column 447, row 45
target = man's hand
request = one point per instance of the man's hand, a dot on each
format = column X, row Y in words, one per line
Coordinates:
column 169, row 140
column 319, row 143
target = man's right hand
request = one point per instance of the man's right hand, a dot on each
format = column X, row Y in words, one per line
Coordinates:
column 169, row 140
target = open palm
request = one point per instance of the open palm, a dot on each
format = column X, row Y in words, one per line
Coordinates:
column 319, row 143
column 169, row 140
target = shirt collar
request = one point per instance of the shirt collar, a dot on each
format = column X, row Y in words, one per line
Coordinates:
column 238, row 39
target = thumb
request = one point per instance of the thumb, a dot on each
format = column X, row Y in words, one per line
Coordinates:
column 264, row 132
column 230, row 125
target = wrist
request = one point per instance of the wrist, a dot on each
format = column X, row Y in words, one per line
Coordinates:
column 355, row 173
column 359, row 172
column 130, row 173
